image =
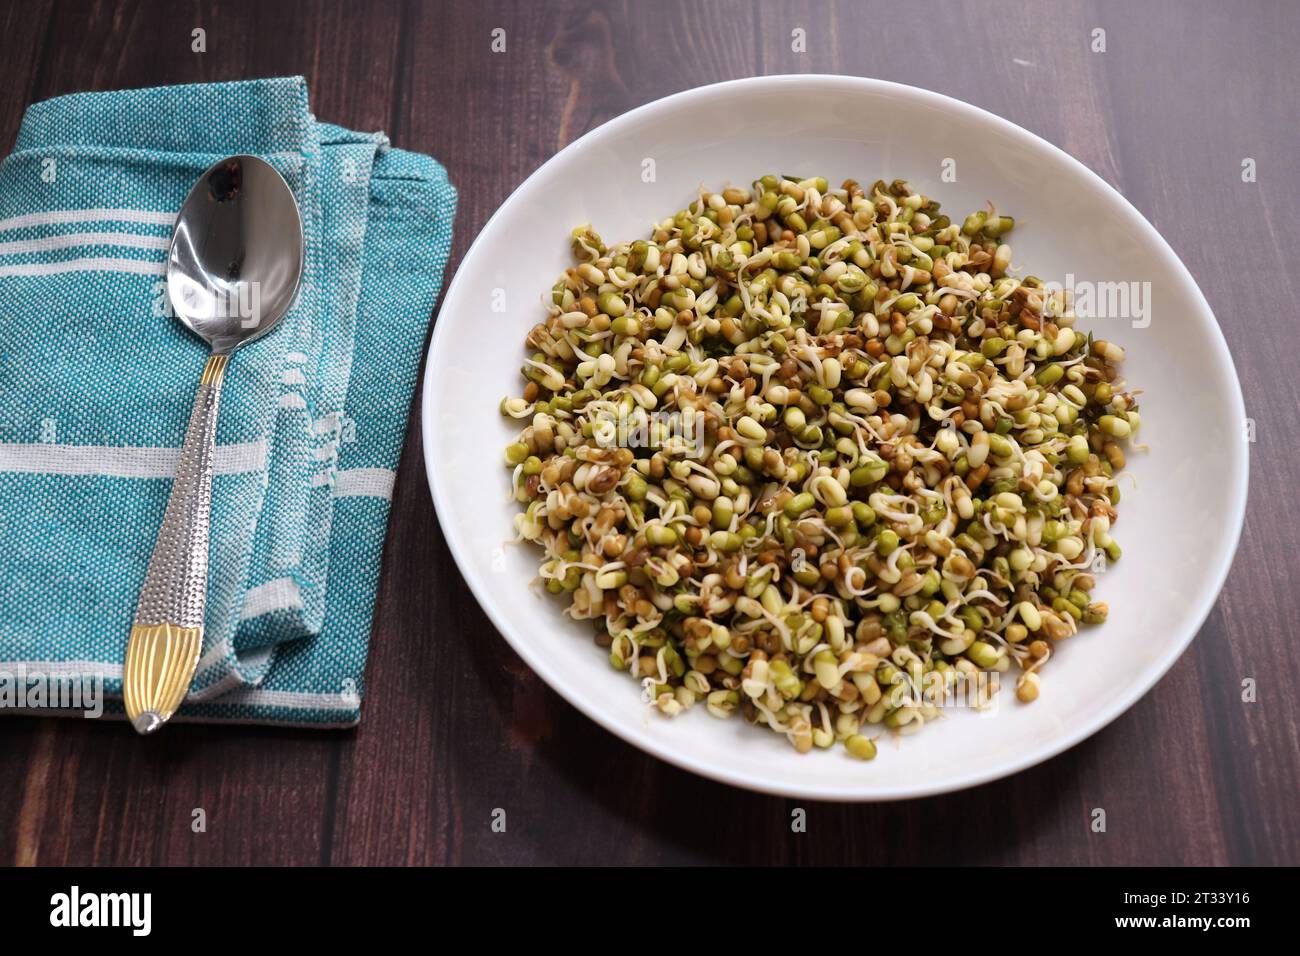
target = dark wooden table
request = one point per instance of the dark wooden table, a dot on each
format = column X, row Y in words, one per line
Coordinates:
column 455, row 725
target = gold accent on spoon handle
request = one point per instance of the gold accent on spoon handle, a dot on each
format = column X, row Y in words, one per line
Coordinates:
column 160, row 664
column 214, row 369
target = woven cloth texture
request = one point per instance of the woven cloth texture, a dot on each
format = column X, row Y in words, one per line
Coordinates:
column 97, row 378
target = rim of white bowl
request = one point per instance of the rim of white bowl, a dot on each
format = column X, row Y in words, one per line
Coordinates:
column 797, row 788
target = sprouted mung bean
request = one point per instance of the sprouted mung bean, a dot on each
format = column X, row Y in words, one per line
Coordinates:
column 906, row 470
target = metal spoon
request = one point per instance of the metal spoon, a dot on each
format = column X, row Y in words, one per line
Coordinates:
column 233, row 271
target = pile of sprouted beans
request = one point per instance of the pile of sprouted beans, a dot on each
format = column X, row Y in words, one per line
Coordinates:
column 813, row 455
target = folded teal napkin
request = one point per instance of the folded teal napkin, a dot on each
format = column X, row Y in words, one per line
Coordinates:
column 96, row 382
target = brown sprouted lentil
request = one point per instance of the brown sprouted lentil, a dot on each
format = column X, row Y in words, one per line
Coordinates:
column 907, row 467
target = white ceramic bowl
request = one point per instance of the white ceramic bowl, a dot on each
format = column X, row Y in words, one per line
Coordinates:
column 1182, row 505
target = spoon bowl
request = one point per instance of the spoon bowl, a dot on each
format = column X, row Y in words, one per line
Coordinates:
column 236, row 255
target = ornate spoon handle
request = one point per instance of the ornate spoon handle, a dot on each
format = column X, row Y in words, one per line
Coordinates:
column 167, row 636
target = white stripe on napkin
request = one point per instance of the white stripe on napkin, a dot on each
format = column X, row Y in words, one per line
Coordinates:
column 50, row 243
column 56, row 217
column 219, row 653
column 228, row 690
column 257, row 657
column 364, row 483
column 61, row 669
column 282, row 594
column 283, row 698
column 136, row 266
column 123, row 461
column 232, row 679
column 214, row 656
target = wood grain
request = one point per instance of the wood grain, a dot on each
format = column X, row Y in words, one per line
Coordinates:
column 455, row 725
